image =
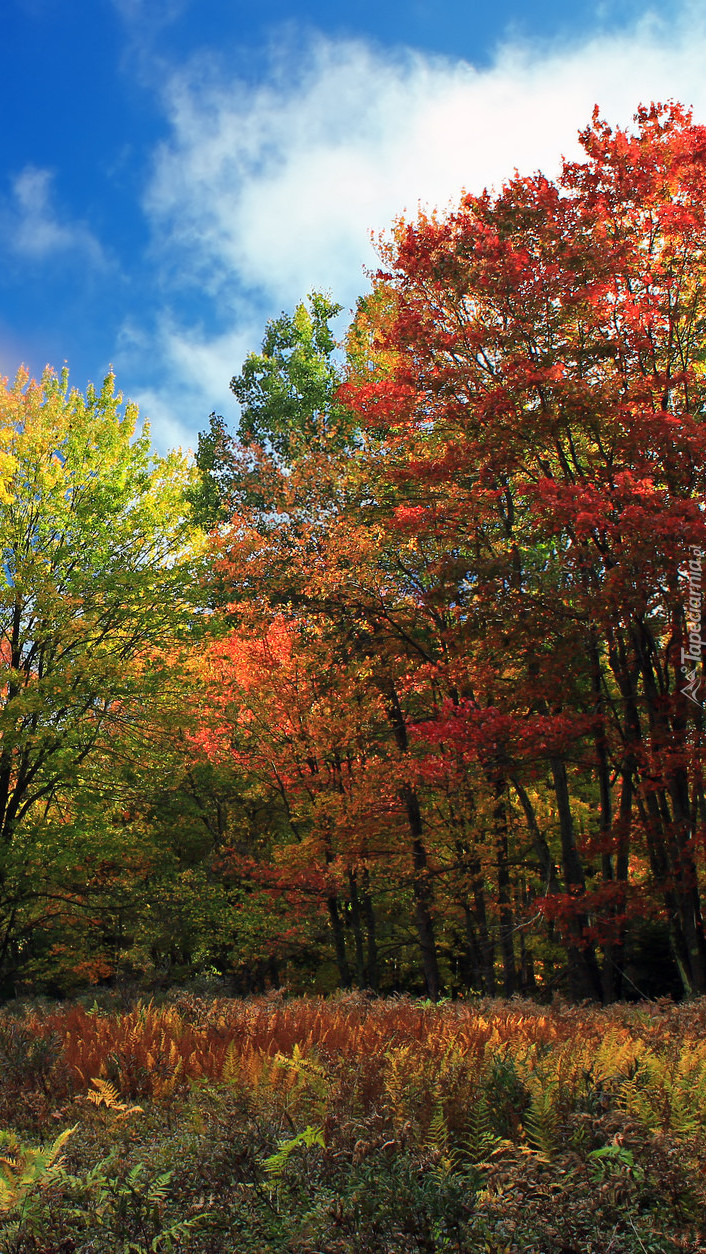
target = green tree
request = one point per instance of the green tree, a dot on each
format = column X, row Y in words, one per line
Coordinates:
column 287, row 391
column 97, row 561
column 288, row 394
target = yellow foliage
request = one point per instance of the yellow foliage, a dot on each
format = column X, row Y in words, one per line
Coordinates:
column 106, row 1094
column 24, row 1167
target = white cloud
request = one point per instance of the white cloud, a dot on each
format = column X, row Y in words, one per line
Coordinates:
column 196, row 370
column 35, row 230
column 157, row 408
column 262, row 193
column 279, row 186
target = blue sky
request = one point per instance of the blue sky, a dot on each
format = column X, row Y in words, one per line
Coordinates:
column 174, row 172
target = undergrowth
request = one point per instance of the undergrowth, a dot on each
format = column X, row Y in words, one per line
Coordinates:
column 353, row 1126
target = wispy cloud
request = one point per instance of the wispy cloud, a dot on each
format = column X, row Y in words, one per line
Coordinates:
column 34, row 228
column 151, row 14
column 262, row 193
column 191, row 369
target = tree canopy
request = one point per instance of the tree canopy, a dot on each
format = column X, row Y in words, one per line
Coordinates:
column 438, row 721
column 96, row 580
column 504, row 557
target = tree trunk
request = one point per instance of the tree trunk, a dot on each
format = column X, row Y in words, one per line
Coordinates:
column 339, row 940
column 504, row 891
column 421, row 886
column 357, row 930
column 372, row 973
column 584, row 975
column 422, row 892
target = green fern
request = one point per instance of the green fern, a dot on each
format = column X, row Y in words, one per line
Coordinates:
column 169, row 1239
column 24, row 1167
column 437, row 1140
column 438, row 1135
column 276, row 1163
column 541, row 1121
column 155, row 1192
column 481, row 1138
column 231, row 1065
column 666, row 1095
column 613, row 1160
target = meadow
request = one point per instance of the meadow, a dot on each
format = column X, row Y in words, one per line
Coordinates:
column 352, row 1125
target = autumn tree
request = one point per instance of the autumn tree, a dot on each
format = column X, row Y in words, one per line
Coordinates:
column 535, row 376
column 97, row 575
column 284, row 481
column 494, row 547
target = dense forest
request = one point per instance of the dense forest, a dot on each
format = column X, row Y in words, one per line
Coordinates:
column 399, row 685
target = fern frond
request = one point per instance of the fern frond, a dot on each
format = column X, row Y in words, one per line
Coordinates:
column 480, row 1139
column 28, row 1167
column 158, row 1190
column 107, row 1095
column 438, row 1135
column 541, row 1120
column 276, row 1163
column 317, row 1075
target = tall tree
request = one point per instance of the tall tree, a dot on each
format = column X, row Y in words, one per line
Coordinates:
column 535, row 373
column 97, row 564
column 495, row 551
column 288, row 407
column 287, row 391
